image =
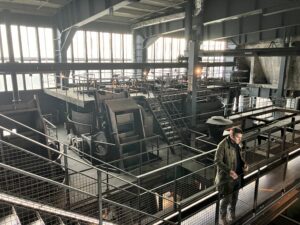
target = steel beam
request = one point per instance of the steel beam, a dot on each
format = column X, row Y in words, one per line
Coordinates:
column 81, row 12
column 261, row 52
column 57, row 67
column 217, row 11
column 188, row 22
column 251, row 24
column 16, row 96
column 243, row 18
column 28, row 20
column 159, row 20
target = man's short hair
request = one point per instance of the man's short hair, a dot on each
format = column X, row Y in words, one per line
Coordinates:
column 235, row 130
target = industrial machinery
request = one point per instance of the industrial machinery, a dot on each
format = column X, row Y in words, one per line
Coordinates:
column 25, row 144
column 13, row 117
column 116, row 130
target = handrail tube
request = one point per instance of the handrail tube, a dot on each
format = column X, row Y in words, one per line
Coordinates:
column 48, row 209
column 140, row 140
column 248, row 178
column 185, row 176
column 174, row 164
column 194, row 149
column 194, row 157
column 48, row 122
column 14, row 169
column 71, row 147
column 97, row 169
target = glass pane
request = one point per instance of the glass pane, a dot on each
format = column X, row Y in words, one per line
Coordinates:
column 92, row 46
column 150, row 53
column 159, row 50
column 167, row 49
column 36, row 81
column 2, row 85
column 105, row 47
column 29, row 44
column 175, row 49
column 20, row 82
column 127, row 38
column 69, row 54
column 9, row 82
column 4, row 42
column 16, row 43
column 106, row 75
column 33, row 81
column 46, row 44
column 117, row 47
column 49, row 80
column 79, row 47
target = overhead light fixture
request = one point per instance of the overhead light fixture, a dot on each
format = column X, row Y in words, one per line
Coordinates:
column 198, row 71
column 146, row 72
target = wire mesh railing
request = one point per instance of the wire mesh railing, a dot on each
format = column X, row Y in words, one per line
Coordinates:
column 121, row 194
column 119, row 189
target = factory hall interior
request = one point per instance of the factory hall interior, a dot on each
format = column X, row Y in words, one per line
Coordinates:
column 141, row 112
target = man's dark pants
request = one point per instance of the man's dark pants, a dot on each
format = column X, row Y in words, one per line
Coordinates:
column 230, row 198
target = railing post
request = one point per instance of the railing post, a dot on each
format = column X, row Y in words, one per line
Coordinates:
column 107, row 180
column 284, row 172
column 293, row 127
column 283, row 139
column 168, row 156
column 141, row 157
column 67, row 181
column 269, row 144
column 99, row 178
column 157, row 146
column 217, row 214
column 179, row 214
column 139, row 199
column 256, row 192
column 175, row 188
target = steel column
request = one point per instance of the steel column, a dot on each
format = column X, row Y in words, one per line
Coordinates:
column 16, row 96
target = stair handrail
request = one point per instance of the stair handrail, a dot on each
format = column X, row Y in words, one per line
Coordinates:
column 169, row 117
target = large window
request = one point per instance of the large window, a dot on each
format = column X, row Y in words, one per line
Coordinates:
column 214, row 72
column 166, row 49
column 30, row 45
column 90, row 46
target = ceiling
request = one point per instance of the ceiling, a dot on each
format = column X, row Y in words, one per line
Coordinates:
column 33, row 7
column 135, row 11
column 144, row 10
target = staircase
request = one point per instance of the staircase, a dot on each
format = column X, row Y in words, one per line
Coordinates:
column 168, row 129
column 17, row 211
column 170, row 101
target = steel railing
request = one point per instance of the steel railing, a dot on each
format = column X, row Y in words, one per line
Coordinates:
column 74, row 178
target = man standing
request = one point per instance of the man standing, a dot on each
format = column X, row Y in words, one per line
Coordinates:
column 230, row 168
